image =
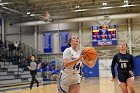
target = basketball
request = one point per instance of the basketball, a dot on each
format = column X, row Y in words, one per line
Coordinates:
column 90, row 54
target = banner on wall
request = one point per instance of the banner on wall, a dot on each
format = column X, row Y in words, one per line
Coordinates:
column 104, row 35
column 47, row 42
column 91, row 72
column 64, row 38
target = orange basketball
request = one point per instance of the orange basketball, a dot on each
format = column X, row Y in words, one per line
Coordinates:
column 90, row 54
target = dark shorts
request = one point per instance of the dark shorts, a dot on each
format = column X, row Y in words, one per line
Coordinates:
column 123, row 76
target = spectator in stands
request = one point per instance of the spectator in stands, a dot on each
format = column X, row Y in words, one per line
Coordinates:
column 19, row 57
column 47, row 70
column 39, row 63
column 54, row 73
column 29, row 59
column 3, row 55
column 33, row 70
column 16, row 44
column 5, row 44
column 11, row 46
column 1, row 44
column 44, row 66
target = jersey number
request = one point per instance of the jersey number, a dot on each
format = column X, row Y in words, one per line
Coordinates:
column 77, row 66
column 123, row 65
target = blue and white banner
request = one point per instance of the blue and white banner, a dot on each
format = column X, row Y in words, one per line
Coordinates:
column 91, row 72
column 47, row 42
column 64, row 38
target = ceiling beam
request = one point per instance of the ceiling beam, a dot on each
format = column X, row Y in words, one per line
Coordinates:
column 82, row 19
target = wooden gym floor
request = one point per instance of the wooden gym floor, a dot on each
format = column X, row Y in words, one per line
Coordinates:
column 89, row 85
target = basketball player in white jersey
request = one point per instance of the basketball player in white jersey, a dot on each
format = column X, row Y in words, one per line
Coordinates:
column 69, row 78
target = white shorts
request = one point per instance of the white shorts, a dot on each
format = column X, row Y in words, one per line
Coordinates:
column 67, row 79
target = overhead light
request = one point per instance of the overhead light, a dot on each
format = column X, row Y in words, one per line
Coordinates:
column 77, row 6
column 80, row 10
column 104, row 4
column 105, row 7
column 32, row 14
column 127, row 5
column 126, row 2
column 3, row 3
column 28, row 13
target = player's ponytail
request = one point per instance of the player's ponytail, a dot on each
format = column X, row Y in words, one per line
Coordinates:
column 69, row 42
column 126, row 45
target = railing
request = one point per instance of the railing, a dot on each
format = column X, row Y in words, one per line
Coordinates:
column 10, row 55
column 27, row 51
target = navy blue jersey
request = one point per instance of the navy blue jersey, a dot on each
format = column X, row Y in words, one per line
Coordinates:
column 125, row 63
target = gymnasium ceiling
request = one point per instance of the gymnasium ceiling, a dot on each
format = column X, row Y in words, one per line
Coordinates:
column 16, row 10
column 64, row 9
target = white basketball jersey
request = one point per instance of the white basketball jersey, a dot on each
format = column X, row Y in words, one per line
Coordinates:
column 71, row 55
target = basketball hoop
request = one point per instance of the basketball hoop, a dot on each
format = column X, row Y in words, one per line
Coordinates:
column 103, row 20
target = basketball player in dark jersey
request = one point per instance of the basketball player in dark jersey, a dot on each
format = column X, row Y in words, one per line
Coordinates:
column 125, row 69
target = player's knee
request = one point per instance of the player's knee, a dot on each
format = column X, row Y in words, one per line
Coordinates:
column 132, row 89
column 133, row 92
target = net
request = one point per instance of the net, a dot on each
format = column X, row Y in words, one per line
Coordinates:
column 103, row 20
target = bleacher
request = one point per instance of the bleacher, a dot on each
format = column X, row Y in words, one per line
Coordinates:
column 12, row 72
column 16, row 73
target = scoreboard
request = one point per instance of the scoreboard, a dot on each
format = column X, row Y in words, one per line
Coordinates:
column 104, row 35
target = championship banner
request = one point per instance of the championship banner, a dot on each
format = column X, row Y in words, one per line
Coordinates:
column 104, row 35
column 47, row 42
column 64, row 38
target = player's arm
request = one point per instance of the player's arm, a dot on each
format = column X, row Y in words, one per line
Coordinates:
column 69, row 63
column 28, row 66
column 67, row 57
column 131, row 65
column 113, row 67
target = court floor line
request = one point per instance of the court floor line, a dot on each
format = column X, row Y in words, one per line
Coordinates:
column 24, row 86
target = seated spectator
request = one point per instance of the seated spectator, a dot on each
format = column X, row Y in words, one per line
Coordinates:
column 39, row 69
column 5, row 44
column 47, row 71
column 16, row 44
column 50, row 67
column 3, row 54
column 1, row 44
column 18, row 56
column 54, row 73
column 18, row 47
column 44, row 65
column 11, row 46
